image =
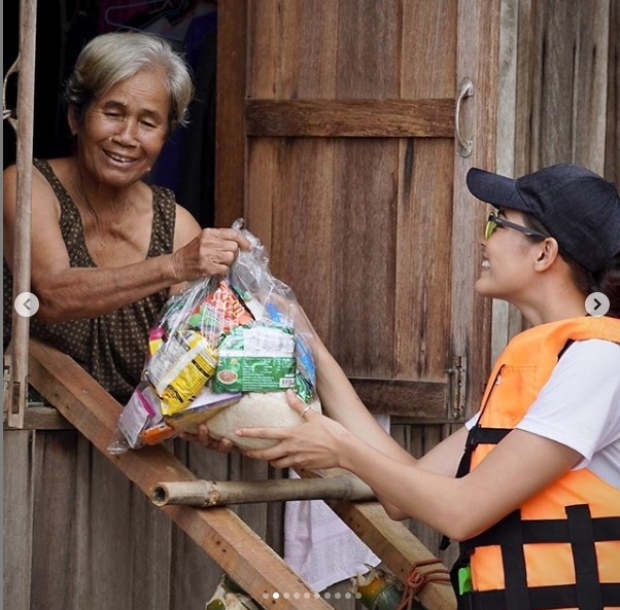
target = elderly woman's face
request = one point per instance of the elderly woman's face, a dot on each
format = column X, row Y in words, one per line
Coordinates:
column 124, row 129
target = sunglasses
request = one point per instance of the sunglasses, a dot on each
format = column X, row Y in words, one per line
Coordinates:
column 493, row 222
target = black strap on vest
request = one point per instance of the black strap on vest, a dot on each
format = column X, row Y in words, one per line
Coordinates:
column 515, row 577
column 535, row 531
column 580, row 530
column 541, row 598
column 476, row 436
column 584, row 556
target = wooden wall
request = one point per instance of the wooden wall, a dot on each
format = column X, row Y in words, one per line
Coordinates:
column 612, row 133
column 78, row 535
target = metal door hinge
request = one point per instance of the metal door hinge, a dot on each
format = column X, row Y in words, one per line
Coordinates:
column 457, row 379
column 6, row 381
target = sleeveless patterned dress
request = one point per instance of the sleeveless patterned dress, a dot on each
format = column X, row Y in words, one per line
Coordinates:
column 112, row 348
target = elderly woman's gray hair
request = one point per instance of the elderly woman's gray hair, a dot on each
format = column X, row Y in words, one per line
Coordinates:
column 111, row 58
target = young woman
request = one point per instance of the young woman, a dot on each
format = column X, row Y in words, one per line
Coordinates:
column 535, row 497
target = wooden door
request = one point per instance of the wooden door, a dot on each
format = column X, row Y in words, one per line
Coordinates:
column 336, row 142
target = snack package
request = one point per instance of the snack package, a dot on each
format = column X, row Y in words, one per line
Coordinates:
column 218, row 341
column 230, row 596
column 260, row 357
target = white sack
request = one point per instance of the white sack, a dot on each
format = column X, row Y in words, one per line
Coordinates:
column 256, row 409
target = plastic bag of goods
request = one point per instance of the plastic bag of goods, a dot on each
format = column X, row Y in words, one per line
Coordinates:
column 224, row 351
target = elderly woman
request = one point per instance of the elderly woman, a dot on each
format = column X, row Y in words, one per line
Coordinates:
column 107, row 248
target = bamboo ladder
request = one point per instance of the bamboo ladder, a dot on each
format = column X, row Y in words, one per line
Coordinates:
column 237, row 549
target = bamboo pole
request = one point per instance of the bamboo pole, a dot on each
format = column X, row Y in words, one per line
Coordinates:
column 345, row 488
column 18, row 387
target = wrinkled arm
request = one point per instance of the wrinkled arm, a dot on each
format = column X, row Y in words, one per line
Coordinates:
column 67, row 292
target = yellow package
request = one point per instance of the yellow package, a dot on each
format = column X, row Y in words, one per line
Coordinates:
column 180, row 369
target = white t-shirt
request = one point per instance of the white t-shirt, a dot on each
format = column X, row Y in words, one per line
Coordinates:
column 579, row 406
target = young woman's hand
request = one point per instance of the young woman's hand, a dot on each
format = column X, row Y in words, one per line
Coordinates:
column 314, row 444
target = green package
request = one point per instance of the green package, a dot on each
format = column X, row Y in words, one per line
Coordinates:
column 256, row 358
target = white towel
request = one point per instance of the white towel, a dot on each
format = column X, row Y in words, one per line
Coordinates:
column 319, row 546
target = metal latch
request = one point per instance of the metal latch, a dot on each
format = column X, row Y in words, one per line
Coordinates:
column 457, row 374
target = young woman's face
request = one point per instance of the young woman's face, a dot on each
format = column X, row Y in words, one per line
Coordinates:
column 124, row 129
column 508, row 261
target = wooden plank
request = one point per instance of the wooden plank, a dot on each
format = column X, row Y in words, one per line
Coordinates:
column 369, row 49
column 563, row 75
column 232, row 544
column 424, row 220
column 365, row 186
column 395, row 397
column 428, row 61
column 292, row 54
column 557, row 81
column 351, row 118
column 307, row 50
column 427, row 437
column 390, row 540
column 422, row 290
column 303, row 202
column 612, row 139
column 261, row 172
column 362, row 312
column 477, row 59
column 104, row 531
column 230, row 140
column 56, row 531
column 18, row 386
column 42, row 418
column 17, row 519
column 504, row 315
column 526, row 121
column 112, row 510
column 589, row 114
column 398, row 548
column 151, row 538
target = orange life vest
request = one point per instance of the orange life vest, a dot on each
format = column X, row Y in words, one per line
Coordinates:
column 561, row 549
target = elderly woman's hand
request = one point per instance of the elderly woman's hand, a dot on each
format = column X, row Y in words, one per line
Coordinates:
column 203, row 437
column 212, row 252
column 315, row 444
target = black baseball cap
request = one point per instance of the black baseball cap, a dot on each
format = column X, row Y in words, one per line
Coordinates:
column 577, row 207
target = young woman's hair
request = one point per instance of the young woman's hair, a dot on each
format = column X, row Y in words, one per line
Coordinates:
column 111, row 58
column 608, row 282
column 605, row 280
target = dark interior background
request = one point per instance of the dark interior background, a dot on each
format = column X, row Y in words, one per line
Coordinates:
column 186, row 164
